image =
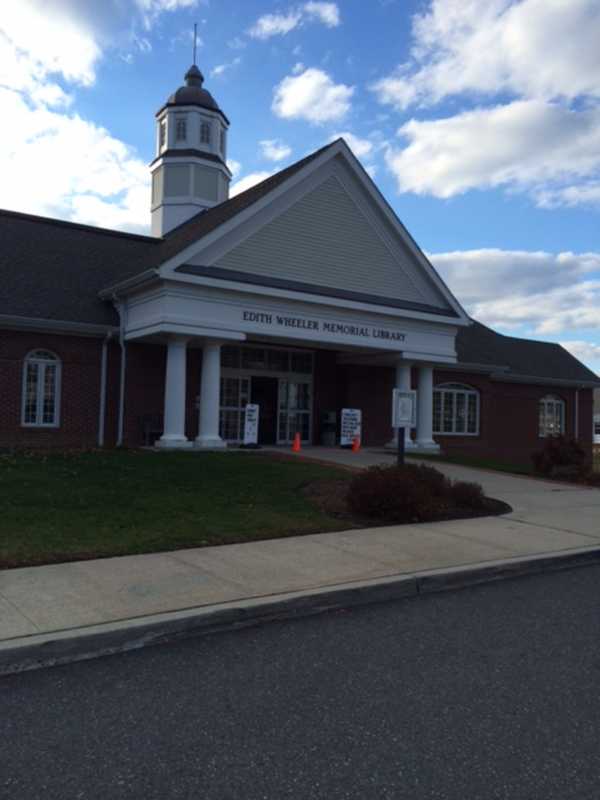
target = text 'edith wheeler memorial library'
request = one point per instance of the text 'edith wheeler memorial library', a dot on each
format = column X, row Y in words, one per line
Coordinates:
column 304, row 294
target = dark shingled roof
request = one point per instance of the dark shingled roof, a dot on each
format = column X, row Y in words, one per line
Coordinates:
column 50, row 269
column 479, row 344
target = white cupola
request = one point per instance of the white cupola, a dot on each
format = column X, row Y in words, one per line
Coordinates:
column 189, row 173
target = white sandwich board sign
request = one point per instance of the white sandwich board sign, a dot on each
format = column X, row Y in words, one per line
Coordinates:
column 251, row 423
column 351, row 426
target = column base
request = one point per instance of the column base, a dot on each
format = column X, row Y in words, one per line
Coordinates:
column 209, row 443
column 409, row 445
column 427, row 447
column 173, row 443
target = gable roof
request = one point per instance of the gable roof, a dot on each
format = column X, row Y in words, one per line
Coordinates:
column 520, row 358
column 53, row 269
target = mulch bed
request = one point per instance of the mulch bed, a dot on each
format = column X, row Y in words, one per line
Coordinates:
column 329, row 495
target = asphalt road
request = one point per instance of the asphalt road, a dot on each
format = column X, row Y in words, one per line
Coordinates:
column 491, row 692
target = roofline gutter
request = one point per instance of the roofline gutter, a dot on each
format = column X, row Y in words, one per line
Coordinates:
column 122, row 309
column 140, row 279
column 536, row 380
column 103, row 374
column 55, row 326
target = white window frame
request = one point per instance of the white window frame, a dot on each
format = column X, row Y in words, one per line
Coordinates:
column 222, row 141
column 180, row 124
column 41, row 364
column 205, row 125
column 455, row 389
column 550, row 404
column 162, row 134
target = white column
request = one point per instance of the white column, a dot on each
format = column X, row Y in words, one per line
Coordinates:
column 210, row 390
column 425, row 410
column 403, row 382
column 174, row 415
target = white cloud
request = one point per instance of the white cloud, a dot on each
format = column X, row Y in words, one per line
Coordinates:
column 327, row 13
column 53, row 161
column 533, row 48
column 60, row 165
column 525, row 144
column 220, row 69
column 280, row 24
column 362, row 148
column 549, row 293
column 275, row 149
column 311, row 95
column 585, row 351
column 275, row 25
column 234, row 166
column 247, row 181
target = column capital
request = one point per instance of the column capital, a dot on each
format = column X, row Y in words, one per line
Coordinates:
column 177, row 339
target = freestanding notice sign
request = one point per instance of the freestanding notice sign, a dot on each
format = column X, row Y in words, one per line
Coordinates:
column 251, row 417
column 404, row 405
column 351, row 426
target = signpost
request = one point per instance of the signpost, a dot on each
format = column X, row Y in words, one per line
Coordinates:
column 351, row 426
column 251, row 416
column 404, row 407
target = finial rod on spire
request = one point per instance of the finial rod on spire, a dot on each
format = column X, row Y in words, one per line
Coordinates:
column 195, row 40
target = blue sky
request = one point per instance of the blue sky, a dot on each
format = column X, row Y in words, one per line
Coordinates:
column 478, row 120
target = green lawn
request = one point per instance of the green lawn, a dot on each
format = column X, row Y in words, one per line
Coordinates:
column 64, row 507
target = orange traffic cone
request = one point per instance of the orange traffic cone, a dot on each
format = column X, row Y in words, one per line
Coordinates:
column 296, row 445
column 356, row 444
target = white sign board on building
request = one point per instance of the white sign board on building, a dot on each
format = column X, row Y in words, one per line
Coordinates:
column 404, row 409
column 251, row 416
column 351, row 426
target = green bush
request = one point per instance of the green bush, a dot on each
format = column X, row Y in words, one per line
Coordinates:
column 410, row 493
column 560, row 457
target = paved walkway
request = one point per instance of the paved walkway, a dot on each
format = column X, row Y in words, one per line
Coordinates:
column 547, row 518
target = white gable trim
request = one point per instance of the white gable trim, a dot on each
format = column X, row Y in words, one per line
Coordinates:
column 269, row 200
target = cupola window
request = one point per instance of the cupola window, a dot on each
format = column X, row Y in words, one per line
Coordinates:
column 162, row 134
column 180, row 129
column 222, row 141
column 205, row 132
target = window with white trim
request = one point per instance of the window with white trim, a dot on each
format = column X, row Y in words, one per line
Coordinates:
column 205, row 132
column 180, row 129
column 41, row 390
column 551, row 416
column 162, row 134
column 455, row 410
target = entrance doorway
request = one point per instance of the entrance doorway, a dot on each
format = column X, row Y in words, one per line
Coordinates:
column 264, row 393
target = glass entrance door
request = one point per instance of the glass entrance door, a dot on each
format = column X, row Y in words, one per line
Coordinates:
column 294, row 410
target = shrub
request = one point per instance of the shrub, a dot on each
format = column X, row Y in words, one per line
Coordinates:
column 391, row 494
column 410, row 493
column 560, row 457
column 438, row 483
column 468, row 495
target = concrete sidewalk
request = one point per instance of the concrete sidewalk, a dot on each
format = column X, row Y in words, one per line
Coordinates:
column 548, row 519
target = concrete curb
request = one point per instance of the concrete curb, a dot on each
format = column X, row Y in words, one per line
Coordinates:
column 78, row 644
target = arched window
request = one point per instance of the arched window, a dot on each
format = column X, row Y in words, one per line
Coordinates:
column 205, row 132
column 455, row 410
column 41, row 390
column 551, row 415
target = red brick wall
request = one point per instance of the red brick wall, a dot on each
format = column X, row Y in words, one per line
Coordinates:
column 80, row 390
column 508, row 420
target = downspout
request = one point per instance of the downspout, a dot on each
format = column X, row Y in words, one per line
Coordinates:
column 577, row 415
column 102, row 403
column 122, row 309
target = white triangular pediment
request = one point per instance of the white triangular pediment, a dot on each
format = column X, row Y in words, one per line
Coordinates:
column 327, row 232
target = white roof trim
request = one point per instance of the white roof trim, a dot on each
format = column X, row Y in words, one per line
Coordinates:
column 339, row 148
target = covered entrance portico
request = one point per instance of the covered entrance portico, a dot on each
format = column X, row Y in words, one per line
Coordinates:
column 282, row 382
